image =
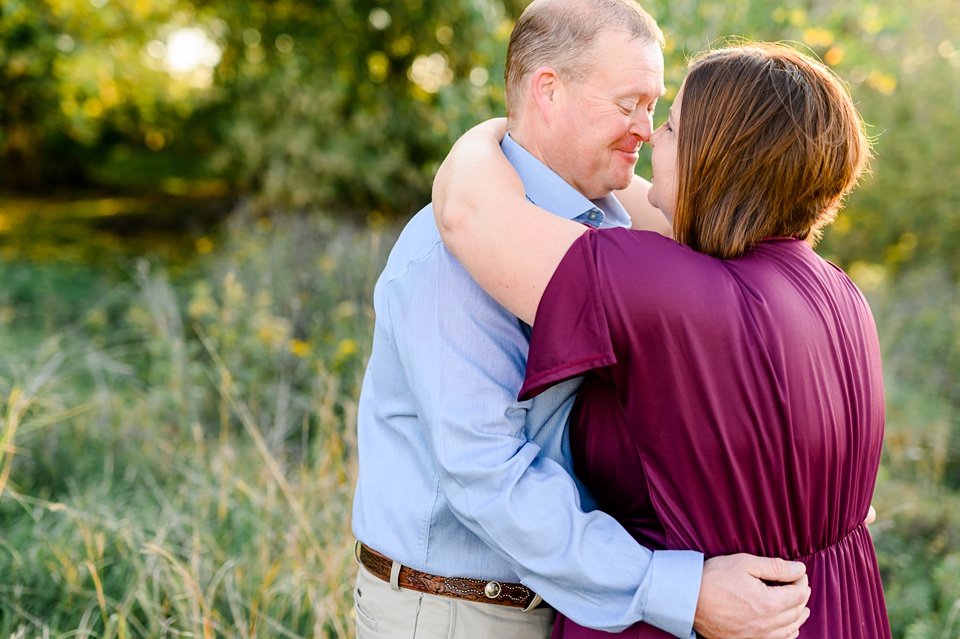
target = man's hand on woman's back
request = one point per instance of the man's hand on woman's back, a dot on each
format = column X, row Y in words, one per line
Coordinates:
column 736, row 601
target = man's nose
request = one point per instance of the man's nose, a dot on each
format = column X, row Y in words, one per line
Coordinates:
column 653, row 137
column 642, row 127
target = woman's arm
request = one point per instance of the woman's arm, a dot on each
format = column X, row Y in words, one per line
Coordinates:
column 643, row 215
column 509, row 246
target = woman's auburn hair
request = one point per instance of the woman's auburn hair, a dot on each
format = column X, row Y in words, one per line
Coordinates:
column 769, row 144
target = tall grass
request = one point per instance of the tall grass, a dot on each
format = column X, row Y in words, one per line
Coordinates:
column 918, row 492
column 180, row 461
column 178, row 458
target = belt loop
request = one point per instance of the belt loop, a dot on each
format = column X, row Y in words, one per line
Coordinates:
column 356, row 550
column 395, row 576
column 533, row 603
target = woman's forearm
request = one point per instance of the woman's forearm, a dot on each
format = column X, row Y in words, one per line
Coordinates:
column 643, row 215
column 462, row 185
column 508, row 245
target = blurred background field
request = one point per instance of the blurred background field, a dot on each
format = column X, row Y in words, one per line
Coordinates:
column 196, row 198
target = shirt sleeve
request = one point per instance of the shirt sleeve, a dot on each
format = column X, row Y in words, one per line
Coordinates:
column 571, row 336
column 464, row 356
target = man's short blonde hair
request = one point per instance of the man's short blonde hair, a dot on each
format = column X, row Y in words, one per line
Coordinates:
column 561, row 34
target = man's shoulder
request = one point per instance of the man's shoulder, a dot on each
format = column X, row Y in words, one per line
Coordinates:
column 419, row 254
column 420, row 240
column 422, row 274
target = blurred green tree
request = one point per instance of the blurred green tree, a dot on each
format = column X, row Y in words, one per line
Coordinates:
column 29, row 104
column 347, row 106
column 340, row 105
column 80, row 77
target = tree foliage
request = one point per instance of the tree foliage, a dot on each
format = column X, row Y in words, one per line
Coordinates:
column 339, row 105
column 344, row 108
column 77, row 81
column 347, row 106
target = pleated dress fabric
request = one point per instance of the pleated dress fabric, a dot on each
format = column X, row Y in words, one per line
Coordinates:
column 728, row 406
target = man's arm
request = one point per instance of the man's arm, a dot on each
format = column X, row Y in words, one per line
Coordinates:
column 643, row 215
column 466, row 356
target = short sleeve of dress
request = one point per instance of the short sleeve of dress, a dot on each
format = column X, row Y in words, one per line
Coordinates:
column 570, row 334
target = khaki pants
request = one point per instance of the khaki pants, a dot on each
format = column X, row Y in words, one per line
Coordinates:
column 383, row 612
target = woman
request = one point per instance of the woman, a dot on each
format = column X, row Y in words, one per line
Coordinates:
column 733, row 398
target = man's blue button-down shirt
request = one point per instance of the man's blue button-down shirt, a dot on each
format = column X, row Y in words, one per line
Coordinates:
column 458, row 478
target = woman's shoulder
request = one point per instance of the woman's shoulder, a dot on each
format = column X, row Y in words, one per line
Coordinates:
column 646, row 253
column 648, row 272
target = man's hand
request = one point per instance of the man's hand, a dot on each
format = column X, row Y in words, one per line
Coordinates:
column 736, row 604
column 871, row 516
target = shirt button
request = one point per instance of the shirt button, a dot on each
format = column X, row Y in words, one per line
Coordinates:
column 593, row 216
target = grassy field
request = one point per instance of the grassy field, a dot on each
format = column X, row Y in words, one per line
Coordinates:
column 177, row 452
column 178, row 457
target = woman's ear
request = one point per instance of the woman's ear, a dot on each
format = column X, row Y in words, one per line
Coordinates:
column 545, row 88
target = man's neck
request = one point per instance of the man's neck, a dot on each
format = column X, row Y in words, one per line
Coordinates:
column 522, row 136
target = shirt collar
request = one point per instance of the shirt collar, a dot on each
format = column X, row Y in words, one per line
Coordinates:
column 549, row 191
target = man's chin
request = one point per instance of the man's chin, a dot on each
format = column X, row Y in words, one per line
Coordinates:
column 602, row 189
column 623, row 183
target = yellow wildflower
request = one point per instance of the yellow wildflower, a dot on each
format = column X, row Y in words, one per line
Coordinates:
column 347, row 347
column 204, row 245
column 300, row 348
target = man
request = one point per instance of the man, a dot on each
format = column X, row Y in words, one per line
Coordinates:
column 466, row 509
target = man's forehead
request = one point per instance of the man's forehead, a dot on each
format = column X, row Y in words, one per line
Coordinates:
column 651, row 89
column 635, row 76
column 625, row 51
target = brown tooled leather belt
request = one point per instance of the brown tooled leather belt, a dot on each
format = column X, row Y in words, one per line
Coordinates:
column 493, row 592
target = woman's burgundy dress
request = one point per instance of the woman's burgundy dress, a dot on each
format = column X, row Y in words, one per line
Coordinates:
column 729, row 406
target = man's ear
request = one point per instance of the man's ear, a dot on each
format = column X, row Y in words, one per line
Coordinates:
column 545, row 88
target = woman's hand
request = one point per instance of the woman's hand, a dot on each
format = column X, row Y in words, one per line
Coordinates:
column 495, row 126
column 508, row 245
column 461, row 179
